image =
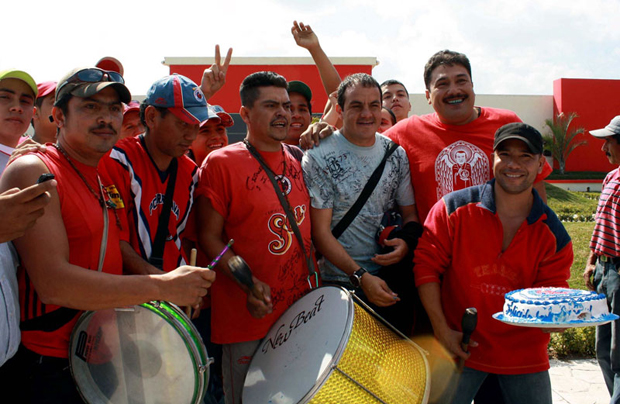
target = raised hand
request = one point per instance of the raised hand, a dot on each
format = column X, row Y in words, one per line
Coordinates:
column 304, row 36
column 214, row 77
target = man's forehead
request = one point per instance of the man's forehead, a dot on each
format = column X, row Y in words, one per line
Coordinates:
column 272, row 91
column 298, row 98
column 108, row 96
column 455, row 70
column 393, row 88
column 16, row 86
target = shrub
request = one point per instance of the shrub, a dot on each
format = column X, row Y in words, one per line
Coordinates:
column 574, row 342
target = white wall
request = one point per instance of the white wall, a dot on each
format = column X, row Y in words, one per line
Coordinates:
column 532, row 109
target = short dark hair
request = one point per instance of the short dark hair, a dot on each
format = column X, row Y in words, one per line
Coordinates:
column 363, row 79
column 392, row 82
column 162, row 111
column 391, row 115
column 249, row 89
column 444, row 57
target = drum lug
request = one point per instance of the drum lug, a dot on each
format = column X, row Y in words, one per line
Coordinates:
column 205, row 367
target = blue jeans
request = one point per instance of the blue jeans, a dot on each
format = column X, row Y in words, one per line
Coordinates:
column 530, row 388
column 607, row 281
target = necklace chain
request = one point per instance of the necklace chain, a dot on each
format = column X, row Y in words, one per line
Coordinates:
column 108, row 204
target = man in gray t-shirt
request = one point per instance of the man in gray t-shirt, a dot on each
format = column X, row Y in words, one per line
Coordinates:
column 336, row 172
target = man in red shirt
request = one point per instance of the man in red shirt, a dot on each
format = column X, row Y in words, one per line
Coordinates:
column 65, row 265
column 480, row 243
column 604, row 260
column 236, row 200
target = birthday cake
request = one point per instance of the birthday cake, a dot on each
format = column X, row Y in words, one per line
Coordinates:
column 554, row 306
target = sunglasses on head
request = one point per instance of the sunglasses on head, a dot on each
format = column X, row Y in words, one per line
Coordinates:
column 93, row 75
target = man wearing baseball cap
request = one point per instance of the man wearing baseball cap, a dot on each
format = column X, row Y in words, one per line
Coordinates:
column 480, row 243
column 155, row 179
column 604, row 260
column 67, row 266
column 212, row 134
column 42, row 121
column 301, row 110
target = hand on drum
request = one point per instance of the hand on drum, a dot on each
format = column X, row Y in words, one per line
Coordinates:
column 377, row 291
column 259, row 299
column 400, row 250
column 311, row 137
column 187, row 285
column 451, row 340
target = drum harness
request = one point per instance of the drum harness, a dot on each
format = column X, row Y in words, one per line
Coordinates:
column 287, row 209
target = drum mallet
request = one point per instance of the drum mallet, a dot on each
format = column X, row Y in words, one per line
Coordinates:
column 468, row 325
column 243, row 274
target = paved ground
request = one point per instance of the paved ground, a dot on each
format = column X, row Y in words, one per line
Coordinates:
column 577, row 382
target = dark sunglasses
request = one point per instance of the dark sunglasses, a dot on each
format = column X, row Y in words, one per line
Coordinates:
column 93, row 75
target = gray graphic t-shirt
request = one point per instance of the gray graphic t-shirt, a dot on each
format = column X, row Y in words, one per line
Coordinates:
column 336, row 173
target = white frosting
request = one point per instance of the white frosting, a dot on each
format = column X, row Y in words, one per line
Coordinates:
column 555, row 305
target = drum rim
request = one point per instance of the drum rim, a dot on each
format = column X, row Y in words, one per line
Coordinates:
column 169, row 312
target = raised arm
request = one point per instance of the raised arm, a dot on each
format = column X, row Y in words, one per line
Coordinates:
column 306, row 38
column 214, row 77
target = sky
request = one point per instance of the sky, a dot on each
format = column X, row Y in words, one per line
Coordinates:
column 515, row 47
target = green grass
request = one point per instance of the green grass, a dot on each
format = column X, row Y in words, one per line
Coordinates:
column 577, row 175
column 574, row 342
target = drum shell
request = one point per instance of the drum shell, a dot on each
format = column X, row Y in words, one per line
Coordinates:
column 371, row 363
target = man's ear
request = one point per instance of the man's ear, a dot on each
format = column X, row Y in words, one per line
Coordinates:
column 59, row 117
column 541, row 163
column 150, row 113
column 428, row 96
column 245, row 115
column 339, row 110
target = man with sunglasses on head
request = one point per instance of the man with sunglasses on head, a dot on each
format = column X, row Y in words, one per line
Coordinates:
column 71, row 258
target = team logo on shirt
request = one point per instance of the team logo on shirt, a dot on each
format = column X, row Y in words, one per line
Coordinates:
column 459, row 166
column 114, row 196
column 280, row 226
column 159, row 200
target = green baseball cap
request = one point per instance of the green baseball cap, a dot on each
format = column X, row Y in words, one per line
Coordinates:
column 20, row 75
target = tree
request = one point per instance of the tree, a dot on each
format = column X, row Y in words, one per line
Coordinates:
column 560, row 141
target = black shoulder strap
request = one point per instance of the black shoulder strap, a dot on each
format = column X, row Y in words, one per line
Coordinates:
column 157, row 252
column 364, row 195
column 287, row 209
column 295, row 151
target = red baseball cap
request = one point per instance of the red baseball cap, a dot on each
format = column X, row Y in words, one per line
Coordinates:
column 46, row 88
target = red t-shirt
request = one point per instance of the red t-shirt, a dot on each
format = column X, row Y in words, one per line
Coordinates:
column 142, row 189
column 445, row 158
column 46, row 329
column 241, row 192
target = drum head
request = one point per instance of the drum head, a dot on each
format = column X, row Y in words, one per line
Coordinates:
column 141, row 354
column 295, row 357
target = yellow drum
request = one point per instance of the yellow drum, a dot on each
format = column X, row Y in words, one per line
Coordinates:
column 326, row 348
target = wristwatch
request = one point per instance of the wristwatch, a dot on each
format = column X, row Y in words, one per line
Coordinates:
column 356, row 278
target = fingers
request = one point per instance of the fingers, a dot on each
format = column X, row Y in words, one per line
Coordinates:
column 227, row 60
column 218, row 58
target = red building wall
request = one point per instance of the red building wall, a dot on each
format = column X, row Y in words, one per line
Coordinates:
column 596, row 102
column 228, row 97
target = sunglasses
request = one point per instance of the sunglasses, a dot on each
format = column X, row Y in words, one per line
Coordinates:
column 93, row 75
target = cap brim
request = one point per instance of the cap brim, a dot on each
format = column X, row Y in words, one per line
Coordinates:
column 602, row 133
column 523, row 139
column 226, row 119
column 192, row 115
column 90, row 89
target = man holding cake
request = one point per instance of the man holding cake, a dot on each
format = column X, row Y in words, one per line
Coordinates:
column 480, row 243
column 604, row 262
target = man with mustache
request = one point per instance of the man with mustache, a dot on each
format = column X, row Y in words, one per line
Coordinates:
column 236, row 200
column 604, row 260
column 66, row 266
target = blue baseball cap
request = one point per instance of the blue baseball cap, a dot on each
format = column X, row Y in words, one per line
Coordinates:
column 181, row 96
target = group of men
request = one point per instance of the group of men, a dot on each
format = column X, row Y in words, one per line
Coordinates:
column 137, row 206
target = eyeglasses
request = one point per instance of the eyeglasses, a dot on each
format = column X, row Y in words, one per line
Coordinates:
column 93, row 75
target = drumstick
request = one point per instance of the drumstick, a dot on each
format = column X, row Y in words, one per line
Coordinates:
column 216, row 259
column 192, row 262
column 468, row 325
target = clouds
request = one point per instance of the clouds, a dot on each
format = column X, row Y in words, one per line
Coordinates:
column 515, row 47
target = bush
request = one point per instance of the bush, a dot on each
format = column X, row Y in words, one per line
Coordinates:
column 574, row 342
